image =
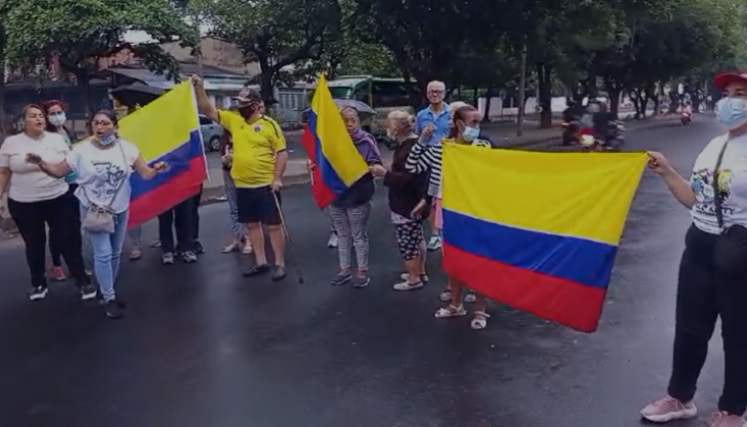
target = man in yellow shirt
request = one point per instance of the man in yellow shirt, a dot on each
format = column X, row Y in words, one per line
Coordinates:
column 259, row 160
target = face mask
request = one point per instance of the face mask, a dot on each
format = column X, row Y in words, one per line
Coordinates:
column 471, row 133
column 247, row 111
column 108, row 140
column 57, row 119
column 732, row 112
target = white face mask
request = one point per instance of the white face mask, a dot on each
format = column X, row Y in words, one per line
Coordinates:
column 57, row 119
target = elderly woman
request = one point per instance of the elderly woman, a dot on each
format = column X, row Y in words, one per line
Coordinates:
column 712, row 281
column 37, row 201
column 351, row 210
column 407, row 201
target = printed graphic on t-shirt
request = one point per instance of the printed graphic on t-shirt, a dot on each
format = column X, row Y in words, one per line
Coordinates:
column 702, row 185
column 109, row 177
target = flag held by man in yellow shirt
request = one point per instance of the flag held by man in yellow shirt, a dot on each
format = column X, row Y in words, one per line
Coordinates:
column 540, row 235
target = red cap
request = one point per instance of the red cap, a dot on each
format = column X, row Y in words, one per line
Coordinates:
column 725, row 79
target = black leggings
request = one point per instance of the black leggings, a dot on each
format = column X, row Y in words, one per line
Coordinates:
column 705, row 293
column 62, row 217
column 54, row 247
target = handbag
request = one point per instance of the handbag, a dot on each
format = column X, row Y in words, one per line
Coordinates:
column 100, row 218
column 730, row 251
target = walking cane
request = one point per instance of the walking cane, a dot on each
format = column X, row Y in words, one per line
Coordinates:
column 292, row 252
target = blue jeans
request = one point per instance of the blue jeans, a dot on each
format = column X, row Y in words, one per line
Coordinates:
column 107, row 251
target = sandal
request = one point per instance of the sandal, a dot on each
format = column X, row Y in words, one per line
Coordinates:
column 450, row 311
column 248, row 250
column 480, row 321
column 445, row 296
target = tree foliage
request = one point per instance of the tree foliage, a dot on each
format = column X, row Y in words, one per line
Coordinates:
column 81, row 32
column 277, row 34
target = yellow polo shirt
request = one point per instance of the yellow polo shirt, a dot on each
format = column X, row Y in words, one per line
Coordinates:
column 254, row 148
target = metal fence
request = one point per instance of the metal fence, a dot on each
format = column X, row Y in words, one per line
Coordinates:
column 16, row 97
column 291, row 102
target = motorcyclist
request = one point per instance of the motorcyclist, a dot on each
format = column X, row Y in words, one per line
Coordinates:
column 605, row 125
column 570, row 122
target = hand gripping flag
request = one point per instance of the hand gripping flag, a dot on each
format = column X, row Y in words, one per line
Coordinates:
column 336, row 163
column 168, row 130
column 541, row 234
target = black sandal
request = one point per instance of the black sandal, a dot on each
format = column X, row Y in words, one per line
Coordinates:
column 256, row 270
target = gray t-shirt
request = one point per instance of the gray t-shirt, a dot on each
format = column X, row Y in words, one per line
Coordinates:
column 732, row 184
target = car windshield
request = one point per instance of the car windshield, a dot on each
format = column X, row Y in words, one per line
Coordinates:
column 341, row 92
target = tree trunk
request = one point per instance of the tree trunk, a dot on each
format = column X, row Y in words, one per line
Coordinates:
column 475, row 96
column 488, row 97
column 613, row 91
column 3, row 131
column 635, row 97
column 544, row 94
column 84, row 84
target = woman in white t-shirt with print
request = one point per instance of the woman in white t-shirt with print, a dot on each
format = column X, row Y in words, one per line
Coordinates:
column 712, row 281
column 37, row 201
column 104, row 164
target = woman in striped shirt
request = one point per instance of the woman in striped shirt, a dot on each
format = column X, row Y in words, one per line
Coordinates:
column 465, row 130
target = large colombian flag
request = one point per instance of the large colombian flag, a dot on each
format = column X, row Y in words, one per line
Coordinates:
column 337, row 163
column 537, row 231
column 168, row 130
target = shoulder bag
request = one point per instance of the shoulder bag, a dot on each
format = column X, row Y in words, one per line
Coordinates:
column 100, row 218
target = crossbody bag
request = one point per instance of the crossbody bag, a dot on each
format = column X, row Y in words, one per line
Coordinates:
column 100, row 218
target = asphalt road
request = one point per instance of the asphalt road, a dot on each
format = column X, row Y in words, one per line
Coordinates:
column 203, row 347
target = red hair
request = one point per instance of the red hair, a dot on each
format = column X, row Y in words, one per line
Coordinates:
column 47, row 105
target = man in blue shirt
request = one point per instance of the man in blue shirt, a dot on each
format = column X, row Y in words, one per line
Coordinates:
column 433, row 122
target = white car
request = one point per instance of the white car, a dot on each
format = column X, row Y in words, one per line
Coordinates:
column 211, row 133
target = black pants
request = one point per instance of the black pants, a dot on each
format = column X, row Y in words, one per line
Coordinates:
column 196, row 214
column 705, row 293
column 180, row 218
column 62, row 217
column 55, row 247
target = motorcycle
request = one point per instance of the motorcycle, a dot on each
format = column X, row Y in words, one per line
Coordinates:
column 686, row 118
column 613, row 142
column 569, row 132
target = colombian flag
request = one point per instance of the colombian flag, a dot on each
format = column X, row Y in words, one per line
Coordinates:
column 541, row 234
column 336, row 162
column 168, row 130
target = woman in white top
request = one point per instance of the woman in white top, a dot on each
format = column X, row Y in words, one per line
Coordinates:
column 37, row 201
column 104, row 164
column 712, row 281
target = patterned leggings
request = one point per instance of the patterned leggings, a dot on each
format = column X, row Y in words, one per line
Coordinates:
column 351, row 226
column 409, row 237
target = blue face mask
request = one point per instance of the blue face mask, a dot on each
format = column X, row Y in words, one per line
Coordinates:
column 108, row 140
column 732, row 112
column 471, row 133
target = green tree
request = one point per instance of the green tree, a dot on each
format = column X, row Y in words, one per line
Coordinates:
column 277, row 34
column 82, row 32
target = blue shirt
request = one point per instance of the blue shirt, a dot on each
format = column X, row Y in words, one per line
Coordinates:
column 440, row 120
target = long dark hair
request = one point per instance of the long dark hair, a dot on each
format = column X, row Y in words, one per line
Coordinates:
column 459, row 114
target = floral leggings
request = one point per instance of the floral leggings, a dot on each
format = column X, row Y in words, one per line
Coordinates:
column 409, row 237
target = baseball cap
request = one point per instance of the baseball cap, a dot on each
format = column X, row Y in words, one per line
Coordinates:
column 248, row 96
column 725, row 79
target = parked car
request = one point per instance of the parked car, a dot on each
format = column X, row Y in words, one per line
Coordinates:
column 211, row 133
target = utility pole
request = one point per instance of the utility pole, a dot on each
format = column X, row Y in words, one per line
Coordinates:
column 522, row 90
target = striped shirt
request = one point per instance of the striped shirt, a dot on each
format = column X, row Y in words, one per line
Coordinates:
column 430, row 159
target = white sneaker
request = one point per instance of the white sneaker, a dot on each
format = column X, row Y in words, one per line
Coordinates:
column 332, row 242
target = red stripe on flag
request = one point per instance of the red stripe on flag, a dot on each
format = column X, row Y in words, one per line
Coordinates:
column 323, row 195
column 566, row 302
column 165, row 197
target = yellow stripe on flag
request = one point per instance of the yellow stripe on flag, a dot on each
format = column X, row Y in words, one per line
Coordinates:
column 585, row 195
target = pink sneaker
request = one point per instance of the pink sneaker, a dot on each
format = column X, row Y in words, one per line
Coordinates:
column 57, row 274
column 669, row 409
column 723, row 419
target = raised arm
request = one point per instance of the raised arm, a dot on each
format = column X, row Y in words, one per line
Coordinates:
column 422, row 158
column 204, row 105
